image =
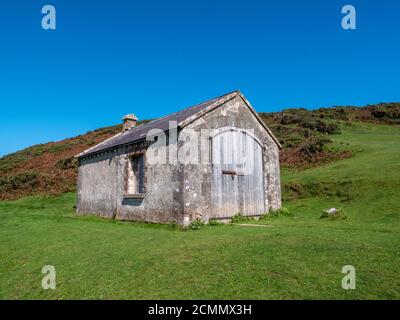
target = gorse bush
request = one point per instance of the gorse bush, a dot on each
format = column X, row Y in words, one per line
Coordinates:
column 388, row 113
column 7, row 163
column 304, row 119
column 313, row 145
column 320, row 126
column 68, row 163
column 304, row 136
column 23, row 180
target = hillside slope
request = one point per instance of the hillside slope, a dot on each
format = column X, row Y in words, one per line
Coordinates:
column 299, row 256
column 50, row 169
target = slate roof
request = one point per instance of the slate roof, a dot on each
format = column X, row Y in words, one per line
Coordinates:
column 139, row 133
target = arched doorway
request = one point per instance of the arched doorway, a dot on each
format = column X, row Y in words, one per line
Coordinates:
column 237, row 179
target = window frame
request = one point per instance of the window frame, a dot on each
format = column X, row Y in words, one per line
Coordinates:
column 138, row 174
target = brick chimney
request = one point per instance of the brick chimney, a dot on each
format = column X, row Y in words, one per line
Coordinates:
column 129, row 121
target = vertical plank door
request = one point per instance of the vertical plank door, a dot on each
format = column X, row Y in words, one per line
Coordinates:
column 238, row 183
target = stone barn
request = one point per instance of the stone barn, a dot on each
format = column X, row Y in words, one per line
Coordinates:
column 210, row 161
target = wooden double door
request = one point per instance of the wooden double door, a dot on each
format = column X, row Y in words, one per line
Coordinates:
column 237, row 175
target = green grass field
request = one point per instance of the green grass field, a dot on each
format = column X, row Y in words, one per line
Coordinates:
column 299, row 257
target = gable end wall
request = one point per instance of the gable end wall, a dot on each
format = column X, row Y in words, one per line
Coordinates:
column 197, row 178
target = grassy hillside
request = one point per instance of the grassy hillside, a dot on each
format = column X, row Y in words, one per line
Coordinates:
column 47, row 169
column 300, row 256
column 50, row 169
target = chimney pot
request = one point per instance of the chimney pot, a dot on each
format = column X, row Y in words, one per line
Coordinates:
column 129, row 121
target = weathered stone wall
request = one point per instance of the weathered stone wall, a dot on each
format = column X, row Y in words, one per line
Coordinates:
column 102, row 189
column 272, row 176
column 97, row 185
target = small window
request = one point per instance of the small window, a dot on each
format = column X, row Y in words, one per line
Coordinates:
column 136, row 175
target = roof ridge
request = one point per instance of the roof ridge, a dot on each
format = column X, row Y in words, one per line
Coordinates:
column 138, row 132
column 184, row 109
column 199, row 104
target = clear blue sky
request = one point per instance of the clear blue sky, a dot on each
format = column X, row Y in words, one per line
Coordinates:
column 113, row 57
